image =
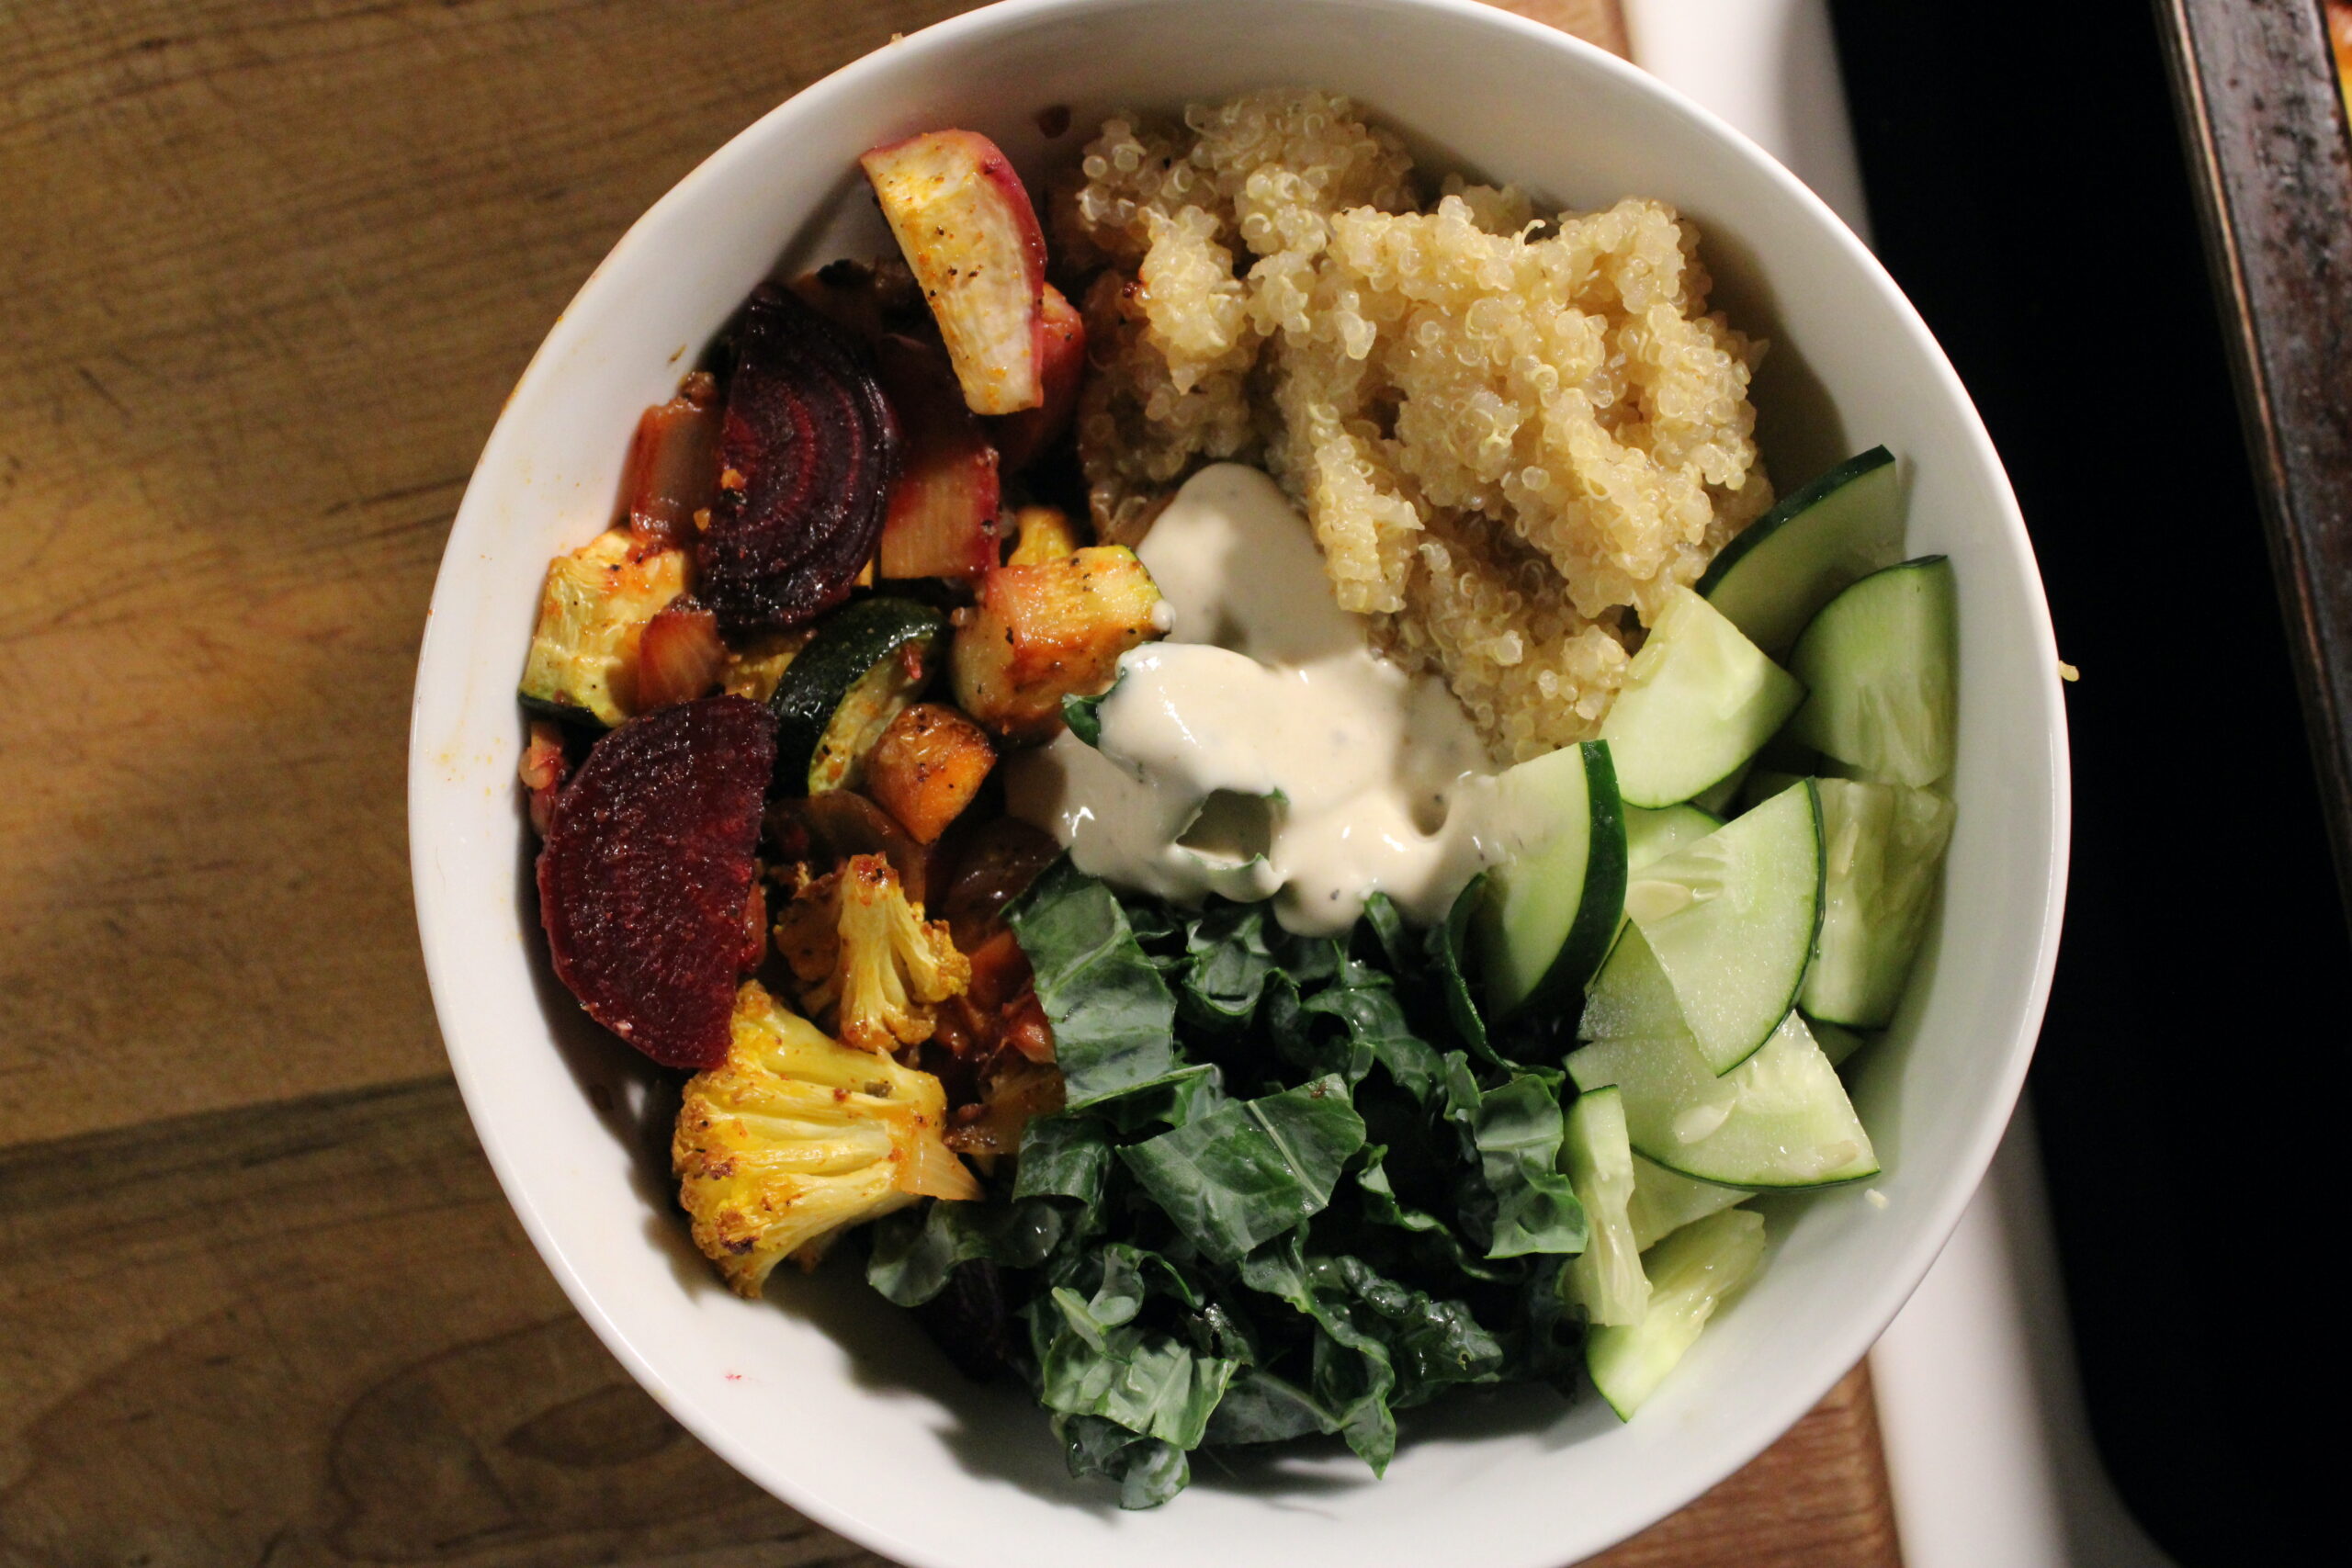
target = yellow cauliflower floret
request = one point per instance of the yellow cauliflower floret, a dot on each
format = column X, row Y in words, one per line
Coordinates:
column 593, row 613
column 858, row 946
column 797, row 1138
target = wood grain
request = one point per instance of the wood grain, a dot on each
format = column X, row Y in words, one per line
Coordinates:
column 1817, row 1498
column 270, row 270
column 1595, row 21
column 315, row 1335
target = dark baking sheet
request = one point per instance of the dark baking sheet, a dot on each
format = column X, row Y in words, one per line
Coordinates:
column 2026, row 178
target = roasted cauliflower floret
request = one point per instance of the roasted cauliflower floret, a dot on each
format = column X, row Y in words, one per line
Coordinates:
column 797, row 1138
column 592, row 614
column 861, row 949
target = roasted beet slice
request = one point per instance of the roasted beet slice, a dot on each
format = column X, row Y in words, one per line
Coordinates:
column 807, row 452
column 648, row 870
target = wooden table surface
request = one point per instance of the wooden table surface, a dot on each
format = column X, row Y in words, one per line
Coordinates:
column 266, row 271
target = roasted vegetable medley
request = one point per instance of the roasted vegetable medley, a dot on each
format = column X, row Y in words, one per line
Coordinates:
column 1202, row 1169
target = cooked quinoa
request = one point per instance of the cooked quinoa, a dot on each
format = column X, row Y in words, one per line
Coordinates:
column 1512, row 436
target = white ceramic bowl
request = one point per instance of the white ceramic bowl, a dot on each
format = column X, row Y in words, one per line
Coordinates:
column 827, row 1397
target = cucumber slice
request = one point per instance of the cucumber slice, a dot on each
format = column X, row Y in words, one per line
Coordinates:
column 1665, row 1202
column 867, row 662
column 1548, row 912
column 1698, row 700
column 1779, row 1119
column 1790, row 562
column 1653, row 835
column 1879, row 664
column 1631, row 998
column 1884, row 846
column 1837, row 1041
column 1732, row 919
column 1692, row 1272
column 1606, row 1279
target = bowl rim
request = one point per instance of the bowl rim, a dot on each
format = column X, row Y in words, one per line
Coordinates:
column 1887, row 1294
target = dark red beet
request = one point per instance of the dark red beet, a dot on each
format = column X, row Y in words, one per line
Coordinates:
column 807, row 453
column 649, row 868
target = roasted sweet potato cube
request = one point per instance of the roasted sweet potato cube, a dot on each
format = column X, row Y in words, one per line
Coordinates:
column 1050, row 630
column 927, row 767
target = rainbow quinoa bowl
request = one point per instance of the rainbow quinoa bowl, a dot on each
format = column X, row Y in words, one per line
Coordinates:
column 1256, row 803
column 836, row 1400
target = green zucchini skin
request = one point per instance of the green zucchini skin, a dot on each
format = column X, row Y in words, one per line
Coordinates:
column 571, row 715
column 846, row 686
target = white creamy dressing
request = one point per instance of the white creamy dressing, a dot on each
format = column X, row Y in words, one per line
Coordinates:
column 1263, row 751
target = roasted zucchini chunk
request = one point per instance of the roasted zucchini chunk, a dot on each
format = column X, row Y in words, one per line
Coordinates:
column 869, row 660
column 1050, row 630
column 592, row 614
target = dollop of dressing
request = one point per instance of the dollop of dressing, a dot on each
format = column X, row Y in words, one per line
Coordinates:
column 1263, row 751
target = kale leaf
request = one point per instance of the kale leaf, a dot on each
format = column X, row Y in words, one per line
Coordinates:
column 1517, row 1131
column 1447, row 941
column 1113, row 1021
column 915, row 1250
column 1250, row 1170
column 1066, row 1155
column 1298, row 1187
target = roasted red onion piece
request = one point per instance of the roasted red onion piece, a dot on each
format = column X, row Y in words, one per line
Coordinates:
column 942, row 518
column 986, row 867
column 542, row 768
column 679, row 656
column 806, row 456
column 969, row 233
column 672, row 470
column 1020, row 437
column 647, row 876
